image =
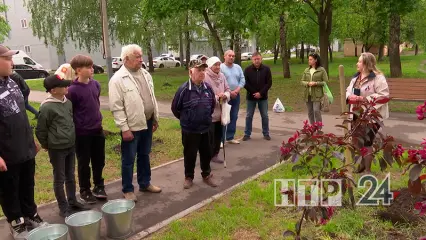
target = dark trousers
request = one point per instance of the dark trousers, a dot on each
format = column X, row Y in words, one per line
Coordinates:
column 140, row 146
column 17, row 190
column 63, row 163
column 263, row 109
column 193, row 143
column 90, row 149
column 216, row 137
column 31, row 108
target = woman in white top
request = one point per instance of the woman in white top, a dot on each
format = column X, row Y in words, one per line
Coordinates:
column 368, row 83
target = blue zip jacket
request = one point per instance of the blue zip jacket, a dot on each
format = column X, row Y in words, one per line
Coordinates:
column 194, row 107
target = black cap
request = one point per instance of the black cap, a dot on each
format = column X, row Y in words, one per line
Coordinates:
column 55, row 81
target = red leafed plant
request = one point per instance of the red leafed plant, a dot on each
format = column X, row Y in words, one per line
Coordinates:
column 327, row 156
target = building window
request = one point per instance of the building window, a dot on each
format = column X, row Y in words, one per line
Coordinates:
column 24, row 23
column 27, row 49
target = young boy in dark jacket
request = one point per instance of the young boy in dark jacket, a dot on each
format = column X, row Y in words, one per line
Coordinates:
column 55, row 132
column 193, row 105
column 84, row 94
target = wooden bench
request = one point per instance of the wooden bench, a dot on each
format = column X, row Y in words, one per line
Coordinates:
column 407, row 89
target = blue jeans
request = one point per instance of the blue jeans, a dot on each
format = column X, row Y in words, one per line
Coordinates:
column 232, row 126
column 31, row 108
column 263, row 109
column 140, row 145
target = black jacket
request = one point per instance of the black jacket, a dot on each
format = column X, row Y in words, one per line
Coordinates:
column 21, row 84
column 16, row 135
column 194, row 107
column 258, row 80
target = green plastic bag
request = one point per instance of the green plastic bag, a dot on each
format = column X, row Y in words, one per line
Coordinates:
column 328, row 93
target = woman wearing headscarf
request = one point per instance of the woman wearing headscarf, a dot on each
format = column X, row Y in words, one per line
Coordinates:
column 217, row 81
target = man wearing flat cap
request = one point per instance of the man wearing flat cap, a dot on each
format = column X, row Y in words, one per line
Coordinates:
column 17, row 154
column 193, row 105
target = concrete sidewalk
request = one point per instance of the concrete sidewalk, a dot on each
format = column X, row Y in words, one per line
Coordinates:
column 154, row 208
column 404, row 127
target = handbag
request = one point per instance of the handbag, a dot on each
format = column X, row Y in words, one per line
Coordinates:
column 327, row 99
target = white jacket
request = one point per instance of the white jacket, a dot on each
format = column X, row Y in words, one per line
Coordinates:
column 373, row 88
column 125, row 101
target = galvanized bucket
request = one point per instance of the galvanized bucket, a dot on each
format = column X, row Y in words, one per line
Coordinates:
column 85, row 225
column 49, row 232
column 118, row 218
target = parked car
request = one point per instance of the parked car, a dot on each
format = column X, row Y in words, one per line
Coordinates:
column 117, row 62
column 167, row 55
column 98, row 69
column 28, row 72
column 246, row 56
column 194, row 57
column 22, row 58
column 161, row 62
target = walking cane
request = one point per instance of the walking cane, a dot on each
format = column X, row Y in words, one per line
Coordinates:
column 224, row 136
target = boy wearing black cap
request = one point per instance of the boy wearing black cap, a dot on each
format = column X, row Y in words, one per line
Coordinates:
column 56, row 133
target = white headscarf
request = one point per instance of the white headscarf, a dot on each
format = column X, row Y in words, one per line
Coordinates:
column 212, row 61
column 66, row 72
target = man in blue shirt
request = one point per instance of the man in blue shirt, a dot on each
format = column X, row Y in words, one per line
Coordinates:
column 236, row 81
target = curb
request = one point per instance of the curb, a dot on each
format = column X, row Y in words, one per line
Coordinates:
column 158, row 226
column 114, row 181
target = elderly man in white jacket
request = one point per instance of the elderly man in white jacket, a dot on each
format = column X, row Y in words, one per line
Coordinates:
column 134, row 106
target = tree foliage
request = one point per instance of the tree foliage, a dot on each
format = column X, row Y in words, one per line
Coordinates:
column 4, row 25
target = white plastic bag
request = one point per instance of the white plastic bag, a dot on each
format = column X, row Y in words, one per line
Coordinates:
column 278, row 106
column 226, row 113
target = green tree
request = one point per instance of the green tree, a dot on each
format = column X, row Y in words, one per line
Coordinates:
column 4, row 25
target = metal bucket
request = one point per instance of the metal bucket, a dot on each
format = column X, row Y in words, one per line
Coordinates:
column 118, row 218
column 85, row 225
column 49, row 232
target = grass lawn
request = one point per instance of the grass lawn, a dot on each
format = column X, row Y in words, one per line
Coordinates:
column 166, row 147
column 289, row 91
column 249, row 213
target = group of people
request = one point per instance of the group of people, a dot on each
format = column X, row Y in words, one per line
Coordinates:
column 70, row 124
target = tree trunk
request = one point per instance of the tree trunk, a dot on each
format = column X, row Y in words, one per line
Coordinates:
column 381, row 51
column 356, row 47
column 214, row 34
column 308, row 51
column 330, row 51
column 288, row 53
column 416, row 49
column 237, row 48
column 214, row 49
column 150, row 58
column 188, row 42
column 181, row 57
column 283, row 46
column 394, row 34
column 232, row 43
column 276, row 51
column 302, row 52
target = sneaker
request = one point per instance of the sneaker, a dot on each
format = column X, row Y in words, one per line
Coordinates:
column 99, row 192
column 233, row 141
column 130, row 196
column 221, row 145
column 76, row 205
column 151, row 188
column 18, row 229
column 188, row 183
column 216, row 159
column 245, row 138
column 208, row 180
column 267, row 137
column 35, row 222
column 87, row 197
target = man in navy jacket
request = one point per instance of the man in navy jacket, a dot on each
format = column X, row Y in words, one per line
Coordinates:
column 193, row 105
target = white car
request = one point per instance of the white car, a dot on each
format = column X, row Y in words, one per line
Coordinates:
column 117, row 62
column 246, row 56
column 165, row 62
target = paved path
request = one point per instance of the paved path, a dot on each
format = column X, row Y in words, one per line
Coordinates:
column 404, row 127
column 154, row 208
